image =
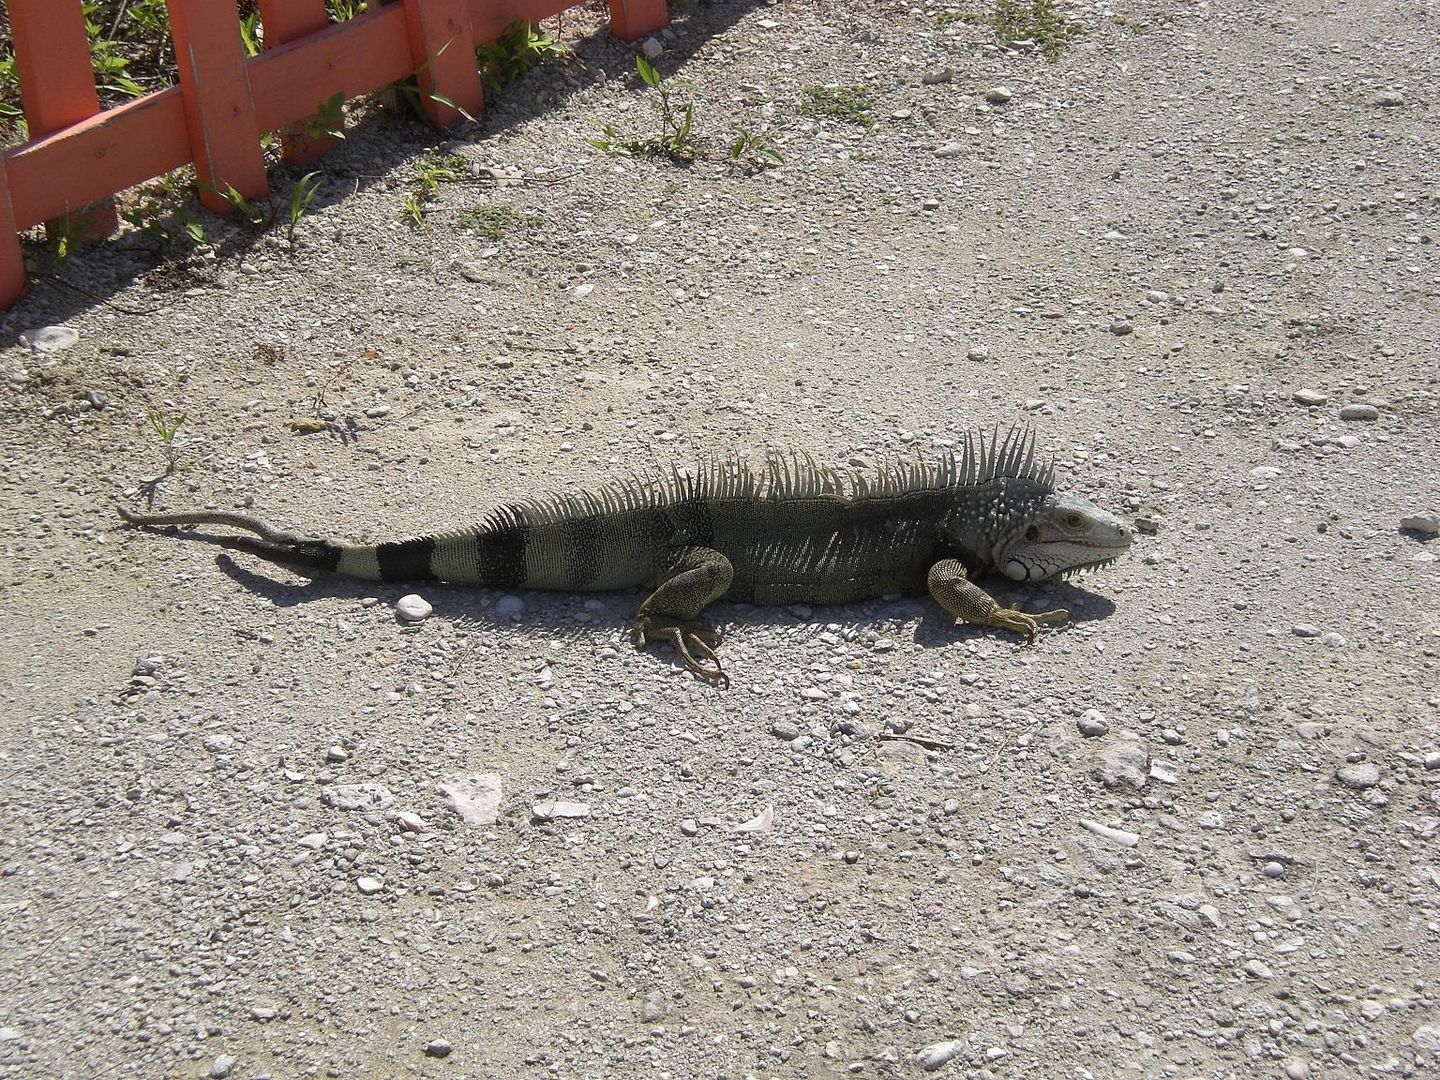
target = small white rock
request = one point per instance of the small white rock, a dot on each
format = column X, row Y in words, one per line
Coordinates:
column 412, row 607
column 1427, row 523
column 1307, row 396
column 369, row 886
column 1105, row 832
column 1092, row 723
column 474, row 796
column 651, row 48
column 761, row 822
column 1359, row 411
column 49, row 339
column 998, row 95
column 584, row 289
column 1359, row 777
column 559, row 808
column 937, row 1054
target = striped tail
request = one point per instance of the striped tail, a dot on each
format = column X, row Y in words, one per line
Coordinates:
column 493, row 554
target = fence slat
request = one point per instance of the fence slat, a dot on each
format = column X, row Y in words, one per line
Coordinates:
column 219, row 111
column 631, row 19
column 442, row 46
column 286, row 20
column 12, row 258
column 57, row 89
column 349, row 58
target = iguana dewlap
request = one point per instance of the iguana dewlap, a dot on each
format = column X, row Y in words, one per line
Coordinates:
column 794, row 532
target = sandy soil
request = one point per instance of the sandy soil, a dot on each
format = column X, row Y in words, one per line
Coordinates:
column 1193, row 835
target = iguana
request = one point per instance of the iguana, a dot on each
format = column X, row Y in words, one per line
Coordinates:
column 794, row 532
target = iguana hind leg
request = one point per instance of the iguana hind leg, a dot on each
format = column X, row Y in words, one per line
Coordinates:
column 956, row 593
column 691, row 579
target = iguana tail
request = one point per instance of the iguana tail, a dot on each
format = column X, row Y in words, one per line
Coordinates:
column 276, row 546
column 491, row 554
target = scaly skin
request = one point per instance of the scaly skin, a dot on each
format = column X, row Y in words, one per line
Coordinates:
column 797, row 534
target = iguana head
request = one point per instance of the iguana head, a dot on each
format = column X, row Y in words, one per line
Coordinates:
column 1063, row 533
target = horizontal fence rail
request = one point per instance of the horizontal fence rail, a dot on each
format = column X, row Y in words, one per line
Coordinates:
column 79, row 155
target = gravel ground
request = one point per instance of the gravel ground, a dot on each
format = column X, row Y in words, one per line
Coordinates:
column 1192, row 835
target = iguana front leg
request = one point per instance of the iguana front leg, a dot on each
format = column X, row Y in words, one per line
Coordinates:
column 956, row 593
column 691, row 579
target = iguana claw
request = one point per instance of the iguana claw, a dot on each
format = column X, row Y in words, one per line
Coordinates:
column 1023, row 622
column 684, row 636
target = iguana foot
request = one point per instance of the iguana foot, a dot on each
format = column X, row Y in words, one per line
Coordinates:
column 684, row 635
column 1022, row 622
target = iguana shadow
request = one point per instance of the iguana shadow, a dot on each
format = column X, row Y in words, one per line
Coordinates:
column 578, row 614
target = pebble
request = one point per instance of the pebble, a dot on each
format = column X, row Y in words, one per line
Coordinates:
column 1266, row 472
column 369, row 886
column 1092, row 723
column 221, row 1067
column 1365, row 774
column 508, row 607
column 1306, row 396
column 1332, row 640
column 314, row 841
column 474, row 796
column 1305, row 630
column 1295, row 1069
column 559, row 808
column 1125, row 763
column 1427, row 523
column 474, row 272
column 437, row 1048
column 336, row 754
column 978, row 352
column 1388, row 99
column 935, row 1055
column 584, row 289
column 1274, row 869
column 411, row 823
column 1121, row 327
column 652, row 48
column 949, row 149
column 49, row 339
column 785, row 729
column 412, row 607
column 1432, row 760
column 938, row 77
column 375, row 412
column 358, row 797
column 219, row 744
column 1106, row 832
column 1257, row 969
column 999, row 95
column 1359, row 411
column 1427, row 1038
column 654, row 1008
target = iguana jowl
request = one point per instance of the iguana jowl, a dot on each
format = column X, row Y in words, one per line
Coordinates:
column 796, row 532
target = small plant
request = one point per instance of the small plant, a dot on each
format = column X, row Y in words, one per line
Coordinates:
column 301, row 196
column 258, row 216
column 848, row 103
column 165, row 429
column 676, row 138
column 514, row 53
column 1039, row 21
column 412, row 211
column 434, row 171
column 492, row 222
column 161, row 216
column 328, row 121
column 754, row 152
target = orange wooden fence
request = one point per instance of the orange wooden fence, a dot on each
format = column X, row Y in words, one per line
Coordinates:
column 79, row 155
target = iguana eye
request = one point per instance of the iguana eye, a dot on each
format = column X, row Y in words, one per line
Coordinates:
column 1074, row 521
